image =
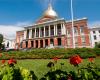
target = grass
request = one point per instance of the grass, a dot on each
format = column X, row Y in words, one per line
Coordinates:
column 39, row 66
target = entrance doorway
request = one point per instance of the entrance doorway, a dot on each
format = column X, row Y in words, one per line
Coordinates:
column 51, row 43
column 36, row 43
column 46, row 42
column 59, row 41
column 26, row 44
column 32, row 44
column 41, row 43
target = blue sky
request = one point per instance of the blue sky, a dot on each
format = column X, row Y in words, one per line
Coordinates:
column 15, row 13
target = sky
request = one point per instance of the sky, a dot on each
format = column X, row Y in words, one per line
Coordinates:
column 15, row 14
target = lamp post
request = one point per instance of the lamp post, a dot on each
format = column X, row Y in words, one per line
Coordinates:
column 72, row 17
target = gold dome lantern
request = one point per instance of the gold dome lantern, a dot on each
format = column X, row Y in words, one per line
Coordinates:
column 50, row 13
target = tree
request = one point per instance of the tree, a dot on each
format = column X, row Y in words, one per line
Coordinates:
column 97, row 45
column 1, row 40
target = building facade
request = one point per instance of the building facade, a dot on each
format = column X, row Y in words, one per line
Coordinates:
column 50, row 32
column 19, row 39
column 95, row 35
column 9, row 43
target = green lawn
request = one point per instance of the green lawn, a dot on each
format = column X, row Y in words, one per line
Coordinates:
column 39, row 66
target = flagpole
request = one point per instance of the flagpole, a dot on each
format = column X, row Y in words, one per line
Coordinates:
column 72, row 17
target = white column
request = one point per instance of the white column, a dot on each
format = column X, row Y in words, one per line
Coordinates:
column 39, row 31
column 25, row 34
column 61, row 29
column 35, row 33
column 64, row 29
column 30, row 33
column 44, row 31
column 49, row 30
column 54, row 30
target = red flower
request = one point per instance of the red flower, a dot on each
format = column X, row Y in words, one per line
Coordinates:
column 55, row 59
column 75, row 60
column 12, row 61
column 91, row 59
column 3, row 61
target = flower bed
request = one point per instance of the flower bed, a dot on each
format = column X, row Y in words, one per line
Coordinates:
column 9, row 70
column 90, row 72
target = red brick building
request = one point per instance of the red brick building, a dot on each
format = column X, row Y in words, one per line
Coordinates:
column 50, row 31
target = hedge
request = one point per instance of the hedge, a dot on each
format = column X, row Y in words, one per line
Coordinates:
column 50, row 53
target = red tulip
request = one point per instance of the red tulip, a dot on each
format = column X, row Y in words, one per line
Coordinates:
column 91, row 59
column 55, row 58
column 75, row 60
column 3, row 61
column 12, row 61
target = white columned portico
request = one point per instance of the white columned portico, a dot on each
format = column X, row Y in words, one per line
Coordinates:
column 30, row 33
column 44, row 31
column 25, row 33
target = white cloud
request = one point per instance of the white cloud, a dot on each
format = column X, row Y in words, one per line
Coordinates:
column 20, row 24
column 45, row 3
column 9, row 31
column 94, row 24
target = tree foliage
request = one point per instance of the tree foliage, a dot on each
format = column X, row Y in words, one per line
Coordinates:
column 1, row 40
column 97, row 45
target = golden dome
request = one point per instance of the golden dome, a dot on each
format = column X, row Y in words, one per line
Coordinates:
column 50, row 12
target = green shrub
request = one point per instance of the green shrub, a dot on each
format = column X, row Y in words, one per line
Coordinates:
column 97, row 51
column 89, row 72
column 50, row 53
column 10, row 72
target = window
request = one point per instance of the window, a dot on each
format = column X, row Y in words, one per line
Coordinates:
column 95, row 43
column 28, row 33
column 83, row 40
column 95, row 37
column 52, row 30
column 37, row 32
column 68, row 41
column 99, row 31
column 21, row 38
column 81, row 29
column 41, row 32
column 58, row 29
column 94, row 32
column 33, row 33
column 76, row 41
column 68, row 31
column 21, row 44
column 75, row 30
